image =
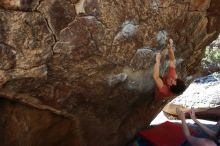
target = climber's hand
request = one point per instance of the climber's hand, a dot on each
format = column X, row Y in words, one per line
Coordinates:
column 158, row 56
column 170, row 44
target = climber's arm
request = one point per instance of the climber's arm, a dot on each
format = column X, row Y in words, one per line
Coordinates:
column 172, row 59
column 156, row 73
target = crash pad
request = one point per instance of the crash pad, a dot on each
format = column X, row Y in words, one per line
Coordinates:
column 165, row 134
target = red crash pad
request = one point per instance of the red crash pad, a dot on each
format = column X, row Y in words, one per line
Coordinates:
column 165, row 134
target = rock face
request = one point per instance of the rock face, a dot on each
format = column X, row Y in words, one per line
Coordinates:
column 79, row 72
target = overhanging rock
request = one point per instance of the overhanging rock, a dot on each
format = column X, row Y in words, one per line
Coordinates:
column 87, row 59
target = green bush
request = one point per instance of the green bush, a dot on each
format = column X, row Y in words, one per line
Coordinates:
column 211, row 59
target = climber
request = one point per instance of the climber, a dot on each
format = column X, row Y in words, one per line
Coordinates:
column 194, row 141
column 169, row 86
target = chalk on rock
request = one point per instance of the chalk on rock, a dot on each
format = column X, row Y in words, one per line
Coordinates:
column 161, row 38
column 115, row 79
column 179, row 61
column 142, row 58
column 128, row 29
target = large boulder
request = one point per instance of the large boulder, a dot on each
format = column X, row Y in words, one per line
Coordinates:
column 83, row 68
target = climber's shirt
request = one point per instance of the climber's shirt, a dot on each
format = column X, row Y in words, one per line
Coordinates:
column 165, row 92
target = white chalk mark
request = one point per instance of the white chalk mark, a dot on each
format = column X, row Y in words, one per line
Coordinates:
column 128, row 29
column 115, row 79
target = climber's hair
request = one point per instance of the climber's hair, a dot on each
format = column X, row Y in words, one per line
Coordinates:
column 179, row 87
